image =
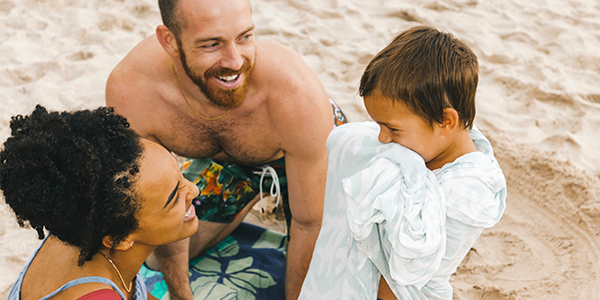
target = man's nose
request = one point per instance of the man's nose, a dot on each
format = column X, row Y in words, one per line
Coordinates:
column 232, row 59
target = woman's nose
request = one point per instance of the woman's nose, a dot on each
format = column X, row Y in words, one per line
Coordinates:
column 194, row 191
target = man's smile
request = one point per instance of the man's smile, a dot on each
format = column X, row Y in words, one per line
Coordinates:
column 228, row 78
column 230, row 81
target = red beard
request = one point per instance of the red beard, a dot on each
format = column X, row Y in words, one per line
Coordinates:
column 227, row 98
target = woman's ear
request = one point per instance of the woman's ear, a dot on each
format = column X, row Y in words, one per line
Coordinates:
column 123, row 245
column 451, row 121
column 168, row 40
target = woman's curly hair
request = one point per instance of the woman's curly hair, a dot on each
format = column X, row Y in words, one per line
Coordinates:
column 73, row 173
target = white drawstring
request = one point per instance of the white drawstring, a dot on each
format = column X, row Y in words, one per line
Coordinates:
column 269, row 170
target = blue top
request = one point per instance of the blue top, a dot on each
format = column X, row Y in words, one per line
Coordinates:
column 140, row 292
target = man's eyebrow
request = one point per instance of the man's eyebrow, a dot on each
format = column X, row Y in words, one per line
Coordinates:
column 172, row 194
column 247, row 30
column 200, row 41
column 218, row 38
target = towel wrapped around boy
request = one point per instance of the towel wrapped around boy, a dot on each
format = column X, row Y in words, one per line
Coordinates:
column 387, row 215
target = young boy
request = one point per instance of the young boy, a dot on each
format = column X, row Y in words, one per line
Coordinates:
column 420, row 91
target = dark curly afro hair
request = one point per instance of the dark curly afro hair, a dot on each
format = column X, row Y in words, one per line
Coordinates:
column 73, row 173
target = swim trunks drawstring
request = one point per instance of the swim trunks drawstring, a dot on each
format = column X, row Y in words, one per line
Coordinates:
column 269, row 170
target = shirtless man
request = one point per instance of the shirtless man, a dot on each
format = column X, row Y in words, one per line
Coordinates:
column 205, row 89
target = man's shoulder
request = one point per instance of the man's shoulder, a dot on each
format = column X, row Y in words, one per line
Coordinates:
column 276, row 62
column 278, row 50
column 284, row 73
column 142, row 60
column 295, row 97
column 135, row 83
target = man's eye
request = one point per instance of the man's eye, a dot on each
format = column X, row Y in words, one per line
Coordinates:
column 209, row 46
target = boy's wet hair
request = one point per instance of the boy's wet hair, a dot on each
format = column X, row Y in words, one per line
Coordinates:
column 427, row 70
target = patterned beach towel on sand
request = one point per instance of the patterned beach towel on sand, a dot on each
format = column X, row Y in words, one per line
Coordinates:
column 248, row 264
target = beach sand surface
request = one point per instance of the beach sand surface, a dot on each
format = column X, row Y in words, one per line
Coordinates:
column 538, row 102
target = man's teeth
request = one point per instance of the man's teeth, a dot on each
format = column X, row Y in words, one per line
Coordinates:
column 229, row 78
column 187, row 214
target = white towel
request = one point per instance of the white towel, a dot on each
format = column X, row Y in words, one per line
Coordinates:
column 384, row 215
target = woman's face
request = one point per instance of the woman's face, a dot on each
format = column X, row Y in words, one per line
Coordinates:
column 166, row 214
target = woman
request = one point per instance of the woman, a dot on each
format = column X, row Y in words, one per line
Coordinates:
column 106, row 197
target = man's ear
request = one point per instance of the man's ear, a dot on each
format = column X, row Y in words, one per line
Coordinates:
column 167, row 40
column 123, row 245
column 451, row 121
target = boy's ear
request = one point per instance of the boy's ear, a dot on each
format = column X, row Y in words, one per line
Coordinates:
column 124, row 245
column 167, row 40
column 451, row 121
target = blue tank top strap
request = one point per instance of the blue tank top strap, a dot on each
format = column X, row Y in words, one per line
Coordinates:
column 88, row 279
column 15, row 291
column 35, row 254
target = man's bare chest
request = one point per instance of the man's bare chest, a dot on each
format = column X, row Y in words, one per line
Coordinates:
column 247, row 141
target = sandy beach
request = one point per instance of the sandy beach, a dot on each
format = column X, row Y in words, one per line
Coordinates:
column 538, row 102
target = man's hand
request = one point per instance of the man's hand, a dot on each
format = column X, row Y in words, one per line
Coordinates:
column 300, row 250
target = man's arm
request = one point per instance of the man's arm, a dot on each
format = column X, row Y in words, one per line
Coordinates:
column 306, row 186
column 173, row 260
column 302, row 115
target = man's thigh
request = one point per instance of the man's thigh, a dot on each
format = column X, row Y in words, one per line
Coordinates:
column 210, row 233
column 225, row 190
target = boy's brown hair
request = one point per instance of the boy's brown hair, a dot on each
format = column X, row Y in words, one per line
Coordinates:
column 429, row 71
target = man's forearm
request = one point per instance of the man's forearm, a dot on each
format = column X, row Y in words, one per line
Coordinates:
column 300, row 251
column 173, row 260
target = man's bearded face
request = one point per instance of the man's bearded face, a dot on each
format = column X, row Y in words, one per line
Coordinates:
column 218, row 95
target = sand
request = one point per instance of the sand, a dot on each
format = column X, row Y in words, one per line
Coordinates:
column 538, row 102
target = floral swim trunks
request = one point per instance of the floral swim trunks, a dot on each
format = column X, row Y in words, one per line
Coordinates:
column 226, row 188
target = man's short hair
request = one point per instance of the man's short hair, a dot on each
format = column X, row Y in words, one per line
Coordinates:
column 171, row 16
column 429, row 71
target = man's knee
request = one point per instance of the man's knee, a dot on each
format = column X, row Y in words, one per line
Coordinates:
column 206, row 237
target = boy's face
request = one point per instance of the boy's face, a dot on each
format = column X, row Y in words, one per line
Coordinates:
column 400, row 125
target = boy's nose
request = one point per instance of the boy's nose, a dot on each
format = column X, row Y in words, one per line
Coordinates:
column 384, row 137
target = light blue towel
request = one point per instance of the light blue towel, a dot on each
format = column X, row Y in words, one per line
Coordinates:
column 475, row 191
column 386, row 214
